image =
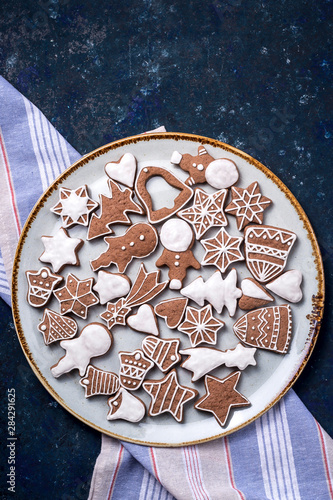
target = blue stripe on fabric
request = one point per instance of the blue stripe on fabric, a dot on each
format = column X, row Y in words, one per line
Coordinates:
column 243, row 446
column 129, row 478
column 142, row 455
column 306, row 450
column 4, row 287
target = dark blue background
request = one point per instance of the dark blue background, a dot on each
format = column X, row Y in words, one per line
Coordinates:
column 254, row 74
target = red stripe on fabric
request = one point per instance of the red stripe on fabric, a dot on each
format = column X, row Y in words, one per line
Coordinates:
column 153, row 459
column 190, row 474
column 231, row 474
column 120, row 454
column 327, row 470
column 11, row 188
column 204, row 493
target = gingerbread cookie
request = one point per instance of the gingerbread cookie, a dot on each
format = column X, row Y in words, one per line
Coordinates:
column 133, row 369
column 202, row 360
column 221, row 395
column 41, row 285
column 56, row 327
column 99, row 382
column 168, row 396
column 145, row 288
column 144, row 320
column 206, row 211
column 115, row 313
column 266, row 250
column 123, row 170
column 159, row 215
column 220, row 173
column 94, row 340
column 74, row 206
column 254, row 295
column 111, row 286
column 217, row 291
column 200, row 325
column 222, row 250
column 287, row 286
column 126, row 406
column 177, row 238
column 114, row 210
column 60, row 250
column 76, row 296
column 267, row 328
column 248, row 205
column 140, row 240
column 164, row 353
column 172, row 310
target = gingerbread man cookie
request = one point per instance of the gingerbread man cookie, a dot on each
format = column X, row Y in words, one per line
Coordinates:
column 177, row 238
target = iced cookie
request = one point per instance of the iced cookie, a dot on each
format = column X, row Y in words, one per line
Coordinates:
column 55, row 327
column 111, row 286
column 206, row 211
column 267, row 328
column 202, row 360
column 200, row 325
column 217, row 291
column 254, row 295
column 115, row 313
column 60, row 250
column 168, row 396
column 159, row 215
column 248, row 205
column 76, row 296
column 163, row 352
column 172, row 310
column 114, row 210
column 266, row 250
column 133, row 369
column 287, row 286
column 126, row 406
column 220, row 173
column 139, row 241
column 221, row 396
column 94, row 340
column 41, row 285
column 144, row 320
column 177, row 238
column 123, row 170
column 222, row 250
column 98, row 382
column 74, row 206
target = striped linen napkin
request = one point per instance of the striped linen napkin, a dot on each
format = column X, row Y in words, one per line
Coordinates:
column 285, row 454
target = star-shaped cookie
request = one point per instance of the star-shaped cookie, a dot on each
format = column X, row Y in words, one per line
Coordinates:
column 247, row 205
column 221, row 395
column 200, row 325
column 60, row 250
column 168, row 395
column 115, row 313
column 76, row 296
column 222, row 250
column 206, row 211
column 74, row 206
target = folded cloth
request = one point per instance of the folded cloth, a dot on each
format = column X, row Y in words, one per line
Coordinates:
column 285, row 454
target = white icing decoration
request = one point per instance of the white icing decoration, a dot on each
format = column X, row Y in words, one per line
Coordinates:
column 144, row 320
column 176, row 158
column 124, row 171
column 203, row 360
column 251, row 289
column 176, row 235
column 94, row 340
column 175, row 284
column 60, row 249
column 131, row 409
column 111, row 286
column 221, row 173
column 217, row 291
column 74, row 206
column 44, row 275
column 288, row 286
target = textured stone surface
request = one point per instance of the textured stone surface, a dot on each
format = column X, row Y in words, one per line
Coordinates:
column 256, row 75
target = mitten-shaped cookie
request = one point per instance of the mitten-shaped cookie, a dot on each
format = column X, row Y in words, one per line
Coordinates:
column 177, row 238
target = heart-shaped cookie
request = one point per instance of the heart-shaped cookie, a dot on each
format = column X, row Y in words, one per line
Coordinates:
column 172, row 310
column 123, row 170
column 144, row 320
column 288, row 286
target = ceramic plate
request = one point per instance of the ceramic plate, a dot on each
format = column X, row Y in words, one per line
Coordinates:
column 263, row 384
